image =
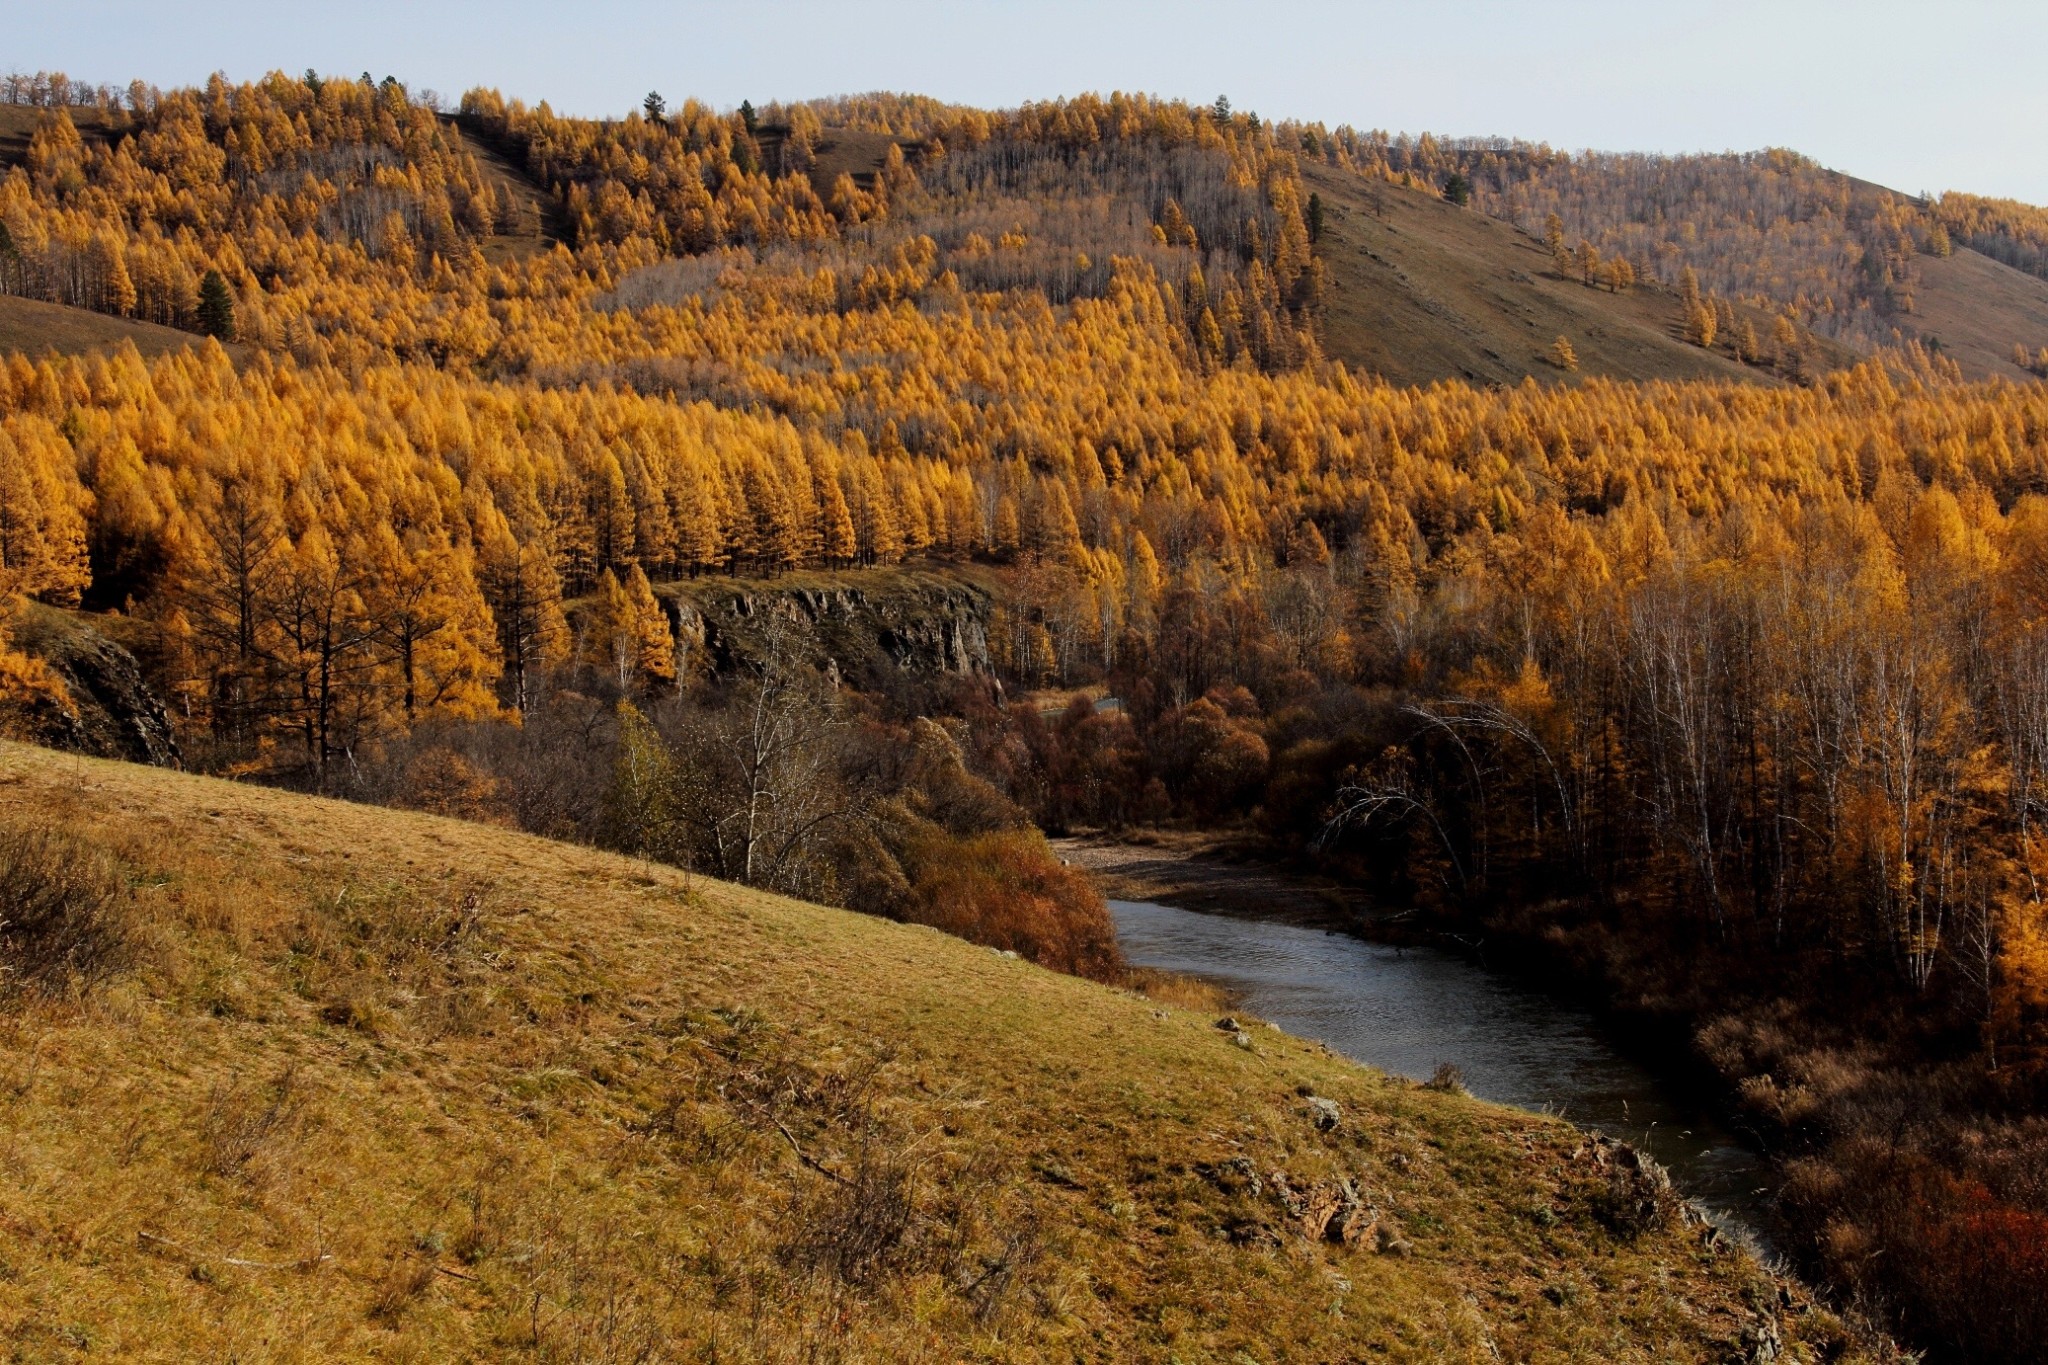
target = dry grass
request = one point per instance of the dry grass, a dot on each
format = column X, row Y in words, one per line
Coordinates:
column 35, row 328
column 1422, row 291
column 379, row 1083
column 63, row 914
column 1179, row 990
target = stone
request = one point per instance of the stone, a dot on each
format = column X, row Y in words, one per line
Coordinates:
column 1762, row 1343
column 114, row 712
column 1324, row 1114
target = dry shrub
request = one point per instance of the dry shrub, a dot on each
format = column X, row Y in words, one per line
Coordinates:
column 1008, row 890
column 404, row 1282
column 880, row 1203
column 1634, row 1194
column 1446, row 1078
column 1942, row 1229
column 859, row 1232
column 240, row 1125
column 1179, row 990
column 64, row 914
column 441, row 781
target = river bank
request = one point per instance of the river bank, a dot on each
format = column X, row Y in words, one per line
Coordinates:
column 1654, row 1047
column 1199, row 872
column 1422, row 1013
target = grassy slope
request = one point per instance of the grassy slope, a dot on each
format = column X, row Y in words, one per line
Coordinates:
column 541, row 222
column 34, row 328
column 18, row 123
column 547, row 1126
column 1424, row 291
column 839, row 151
column 1977, row 308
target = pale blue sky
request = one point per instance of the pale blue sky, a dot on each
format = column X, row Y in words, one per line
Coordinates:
column 1913, row 95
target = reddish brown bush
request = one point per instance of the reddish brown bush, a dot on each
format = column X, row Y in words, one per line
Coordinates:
column 1009, row 891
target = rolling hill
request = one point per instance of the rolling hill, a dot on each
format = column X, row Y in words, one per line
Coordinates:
column 374, row 1083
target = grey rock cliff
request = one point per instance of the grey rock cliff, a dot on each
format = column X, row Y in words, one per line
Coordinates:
column 928, row 626
column 115, row 713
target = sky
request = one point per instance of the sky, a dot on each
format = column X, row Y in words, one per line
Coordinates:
column 1916, row 96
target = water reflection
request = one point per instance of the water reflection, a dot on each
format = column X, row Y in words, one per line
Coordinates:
column 1406, row 1010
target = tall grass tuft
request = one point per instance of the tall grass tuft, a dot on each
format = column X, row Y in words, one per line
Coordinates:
column 64, row 922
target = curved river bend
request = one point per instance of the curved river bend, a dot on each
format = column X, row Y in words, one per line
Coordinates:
column 1405, row 1010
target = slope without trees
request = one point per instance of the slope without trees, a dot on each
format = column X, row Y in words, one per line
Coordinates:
column 529, row 221
column 1974, row 310
column 18, row 123
column 34, row 328
column 1419, row 290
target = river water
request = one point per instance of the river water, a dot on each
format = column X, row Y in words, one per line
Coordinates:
column 1405, row 1010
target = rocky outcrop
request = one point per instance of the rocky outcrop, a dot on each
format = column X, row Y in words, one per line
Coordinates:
column 926, row 624
column 113, row 713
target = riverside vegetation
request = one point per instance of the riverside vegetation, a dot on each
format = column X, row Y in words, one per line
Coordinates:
column 1719, row 685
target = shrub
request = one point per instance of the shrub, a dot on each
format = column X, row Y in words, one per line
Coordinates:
column 63, row 914
column 1008, row 890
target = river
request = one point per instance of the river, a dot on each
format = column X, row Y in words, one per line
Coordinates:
column 1405, row 1010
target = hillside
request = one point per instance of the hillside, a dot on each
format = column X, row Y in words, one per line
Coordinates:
column 1420, row 290
column 528, row 220
column 387, row 1084
column 18, row 124
column 1976, row 309
column 34, row 328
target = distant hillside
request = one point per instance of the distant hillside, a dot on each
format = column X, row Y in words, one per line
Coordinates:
column 1419, row 290
column 383, row 1084
column 527, row 218
column 33, row 328
column 1975, row 310
column 1770, row 230
column 18, row 123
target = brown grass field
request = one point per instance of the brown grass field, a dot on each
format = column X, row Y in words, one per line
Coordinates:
column 1977, row 308
column 35, row 329
column 376, row 1084
column 1419, row 290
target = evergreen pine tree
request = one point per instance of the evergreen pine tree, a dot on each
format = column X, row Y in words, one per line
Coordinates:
column 216, row 307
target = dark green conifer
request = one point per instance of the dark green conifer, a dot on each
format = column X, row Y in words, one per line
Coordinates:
column 216, row 307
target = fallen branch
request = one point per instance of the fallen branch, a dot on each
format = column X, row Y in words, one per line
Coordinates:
column 451, row 1274
column 801, row 1155
column 306, row 1264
